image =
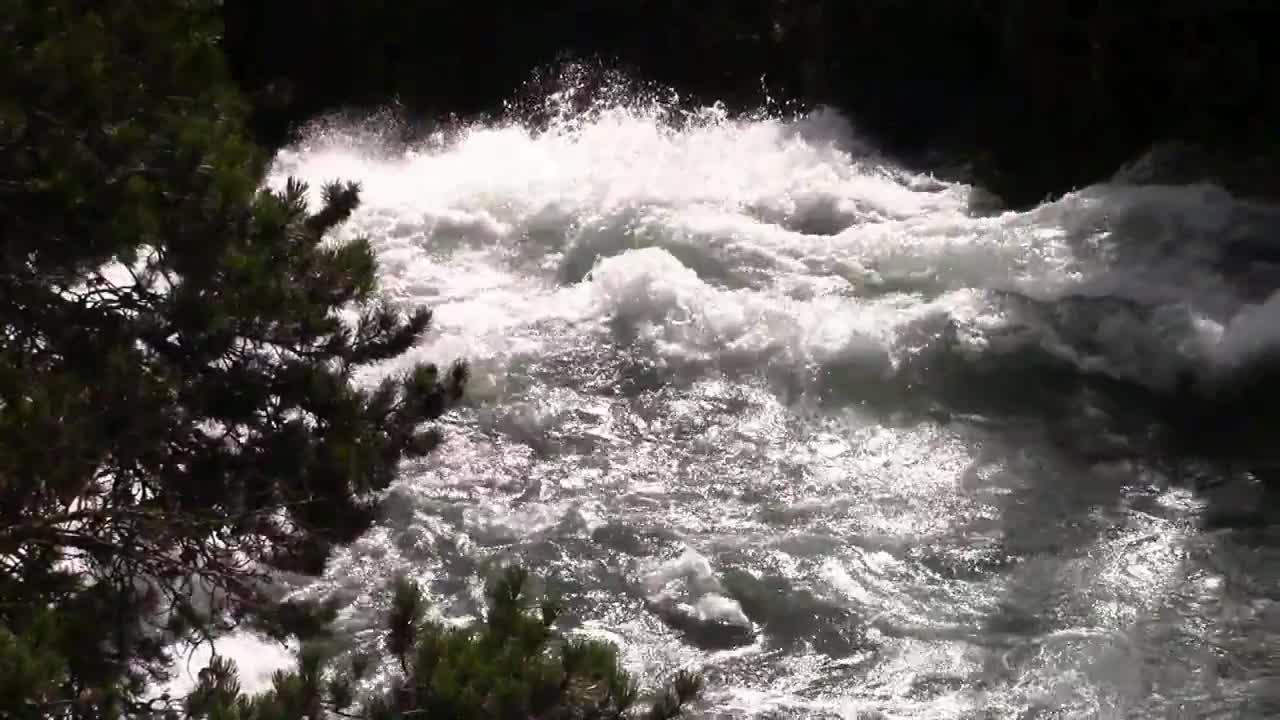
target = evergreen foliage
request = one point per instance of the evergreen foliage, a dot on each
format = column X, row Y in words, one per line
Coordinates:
column 511, row 665
column 177, row 408
column 176, row 356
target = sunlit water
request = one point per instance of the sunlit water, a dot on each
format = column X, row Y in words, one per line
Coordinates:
column 756, row 402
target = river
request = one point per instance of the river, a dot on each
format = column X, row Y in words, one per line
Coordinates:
column 756, row 401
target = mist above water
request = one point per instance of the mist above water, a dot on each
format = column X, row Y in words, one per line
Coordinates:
column 757, row 401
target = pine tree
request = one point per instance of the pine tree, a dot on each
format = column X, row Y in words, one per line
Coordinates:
column 177, row 349
column 511, row 666
column 177, row 407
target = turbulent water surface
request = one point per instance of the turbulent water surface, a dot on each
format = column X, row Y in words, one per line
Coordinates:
column 757, row 402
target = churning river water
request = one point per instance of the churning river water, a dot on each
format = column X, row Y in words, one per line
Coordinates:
column 755, row 401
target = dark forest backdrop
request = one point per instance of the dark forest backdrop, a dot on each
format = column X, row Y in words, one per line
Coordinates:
column 1037, row 97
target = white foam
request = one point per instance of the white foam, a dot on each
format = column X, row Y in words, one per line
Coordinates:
column 614, row 245
column 688, row 587
column 690, row 572
column 718, row 608
column 1252, row 333
column 256, row 659
column 772, row 231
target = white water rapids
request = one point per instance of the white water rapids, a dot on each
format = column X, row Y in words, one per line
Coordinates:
column 757, row 402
